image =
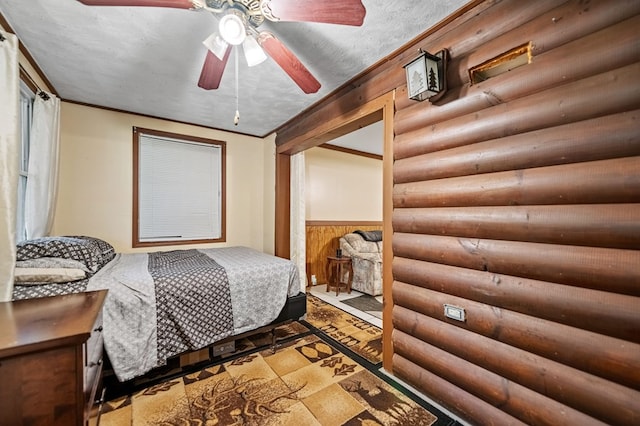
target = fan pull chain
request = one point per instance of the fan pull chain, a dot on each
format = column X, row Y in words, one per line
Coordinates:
column 236, row 119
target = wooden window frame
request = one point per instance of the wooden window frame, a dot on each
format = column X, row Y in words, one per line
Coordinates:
column 135, row 239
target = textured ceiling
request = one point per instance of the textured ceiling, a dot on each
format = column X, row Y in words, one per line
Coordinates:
column 148, row 60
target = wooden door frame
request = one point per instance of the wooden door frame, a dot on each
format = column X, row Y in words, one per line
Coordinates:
column 368, row 113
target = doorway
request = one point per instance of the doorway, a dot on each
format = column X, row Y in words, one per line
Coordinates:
column 342, row 195
column 381, row 108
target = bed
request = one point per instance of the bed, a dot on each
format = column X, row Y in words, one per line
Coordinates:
column 162, row 304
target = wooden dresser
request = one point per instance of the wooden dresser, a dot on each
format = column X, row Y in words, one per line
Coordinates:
column 50, row 359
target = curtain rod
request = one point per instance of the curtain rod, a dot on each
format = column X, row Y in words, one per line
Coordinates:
column 25, row 75
column 32, row 84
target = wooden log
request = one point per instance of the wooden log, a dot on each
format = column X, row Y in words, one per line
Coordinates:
column 601, row 138
column 596, row 182
column 610, row 270
column 488, row 26
column 552, row 67
column 613, row 91
column 594, row 225
column 484, row 22
column 601, row 312
column 599, row 398
column 569, row 22
column 513, row 398
column 472, row 26
column 474, row 409
column 607, row 357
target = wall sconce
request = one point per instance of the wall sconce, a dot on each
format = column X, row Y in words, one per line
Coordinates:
column 426, row 76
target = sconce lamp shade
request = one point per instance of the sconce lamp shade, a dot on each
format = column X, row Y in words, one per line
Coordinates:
column 426, row 76
column 216, row 45
column 253, row 53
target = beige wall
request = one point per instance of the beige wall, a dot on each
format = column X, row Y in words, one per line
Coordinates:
column 342, row 187
column 95, row 184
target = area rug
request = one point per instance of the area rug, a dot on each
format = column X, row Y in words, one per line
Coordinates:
column 365, row 303
column 175, row 366
column 357, row 335
column 305, row 382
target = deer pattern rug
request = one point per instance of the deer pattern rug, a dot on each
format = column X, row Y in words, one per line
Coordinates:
column 305, row 382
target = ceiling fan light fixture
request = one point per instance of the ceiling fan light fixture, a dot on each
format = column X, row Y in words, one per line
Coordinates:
column 232, row 29
column 216, row 45
column 253, row 53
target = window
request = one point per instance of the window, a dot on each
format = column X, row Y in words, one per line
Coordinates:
column 26, row 116
column 178, row 192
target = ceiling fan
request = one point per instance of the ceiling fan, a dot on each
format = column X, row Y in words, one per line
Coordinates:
column 238, row 23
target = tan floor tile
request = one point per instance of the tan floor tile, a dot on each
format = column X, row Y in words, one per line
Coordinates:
column 336, row 324
column 332, row 405
column 313, row 377
column 322, row 374
column 298, row 415
column 286, row 361
column 194, row 389
column 251, row 366
column 363, row 335
column 160, row 403
column 317, row 351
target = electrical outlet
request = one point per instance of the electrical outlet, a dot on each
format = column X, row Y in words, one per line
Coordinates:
column 224, row 348
column 314, row 280
column 455, row 312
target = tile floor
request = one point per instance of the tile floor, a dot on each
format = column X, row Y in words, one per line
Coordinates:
column 320, row 291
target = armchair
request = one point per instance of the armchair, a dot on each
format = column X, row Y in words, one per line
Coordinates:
column 366, row 260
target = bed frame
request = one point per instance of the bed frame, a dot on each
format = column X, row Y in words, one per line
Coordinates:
column 294, row 309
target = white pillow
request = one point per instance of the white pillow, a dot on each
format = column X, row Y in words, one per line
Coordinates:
column 51, row 262
column 35, row 276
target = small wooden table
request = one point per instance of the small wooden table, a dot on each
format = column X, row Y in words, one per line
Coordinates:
column 335, row 273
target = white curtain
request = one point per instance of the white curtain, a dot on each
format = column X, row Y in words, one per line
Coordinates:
column 42, row 181
column 9, row 159
column 298, row 216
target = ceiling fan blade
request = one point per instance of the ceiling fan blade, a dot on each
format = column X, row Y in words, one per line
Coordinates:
column 345, row 12
column 212, row 70
column 288, row 62
column 179, row 4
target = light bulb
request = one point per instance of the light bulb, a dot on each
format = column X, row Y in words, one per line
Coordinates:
column 232, row 29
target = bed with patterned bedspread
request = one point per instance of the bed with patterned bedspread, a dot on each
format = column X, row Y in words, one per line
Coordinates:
column 160, row 304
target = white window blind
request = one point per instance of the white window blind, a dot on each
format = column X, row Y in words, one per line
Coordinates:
column 180, row 187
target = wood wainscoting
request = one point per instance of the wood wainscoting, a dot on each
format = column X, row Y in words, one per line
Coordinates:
column 323, row 240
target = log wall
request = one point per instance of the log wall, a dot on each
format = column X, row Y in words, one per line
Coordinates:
column 322, row 240
column 518, row 200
